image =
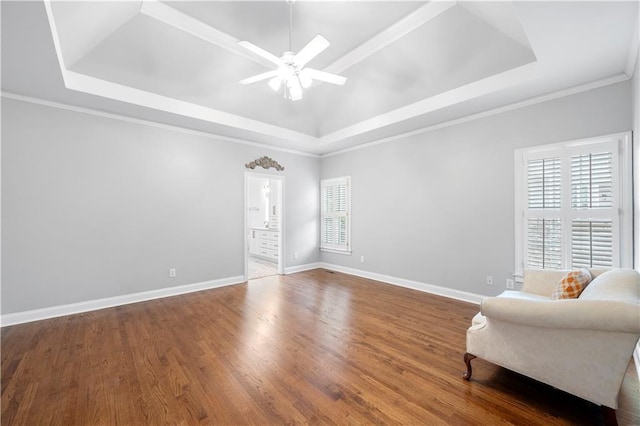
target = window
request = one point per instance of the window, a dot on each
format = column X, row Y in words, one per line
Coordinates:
column 335, row 221
column 573, row 204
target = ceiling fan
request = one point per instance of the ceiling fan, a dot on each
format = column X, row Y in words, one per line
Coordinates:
column 291, row 72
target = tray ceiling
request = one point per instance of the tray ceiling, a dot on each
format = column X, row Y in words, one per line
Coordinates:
column 408, row 64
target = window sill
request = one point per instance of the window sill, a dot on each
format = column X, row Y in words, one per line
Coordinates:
column 327, row 250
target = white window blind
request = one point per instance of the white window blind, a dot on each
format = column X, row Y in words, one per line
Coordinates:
column 592, row 180
column 543, row 183
column 592, row 243
column 544, row 243
column 592, row 187
column 573, row 204
column 544, row 200
column 335, row 226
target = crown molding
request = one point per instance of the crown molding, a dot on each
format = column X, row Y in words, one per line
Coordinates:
column 634, row 48
column 451, row 97
column 119, row 92
column 184, row 130
column 619, row 78
column 533, row 101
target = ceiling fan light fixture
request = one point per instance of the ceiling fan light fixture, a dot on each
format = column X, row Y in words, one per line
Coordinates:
column 295, row 90
column 291, row 71
column 305, row 79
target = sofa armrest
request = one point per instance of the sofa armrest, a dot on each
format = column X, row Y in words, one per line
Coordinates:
column 602, row 315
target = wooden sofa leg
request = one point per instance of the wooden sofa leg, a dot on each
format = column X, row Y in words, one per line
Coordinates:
column 609, row 416
column 467, row 360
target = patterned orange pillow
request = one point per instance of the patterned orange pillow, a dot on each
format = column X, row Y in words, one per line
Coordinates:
column 572, row 284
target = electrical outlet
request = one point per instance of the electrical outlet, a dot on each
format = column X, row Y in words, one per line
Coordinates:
column 361, row 259
column 489, row 279
column 295, row 255
column 172, row 273
column 509, row 283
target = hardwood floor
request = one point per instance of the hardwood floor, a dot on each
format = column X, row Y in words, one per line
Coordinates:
column 314, row 347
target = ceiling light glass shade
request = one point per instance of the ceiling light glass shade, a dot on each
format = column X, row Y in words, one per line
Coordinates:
column 295, row 91
column 305, row 79
column 275, row 83
column 285, row 72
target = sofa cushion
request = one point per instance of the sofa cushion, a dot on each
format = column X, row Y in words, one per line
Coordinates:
column 542, row 281
column 617, row 284
column 571, row 285
column 515, row 294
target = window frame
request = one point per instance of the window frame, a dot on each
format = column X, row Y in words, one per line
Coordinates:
column 336, row 248
column 622, row 176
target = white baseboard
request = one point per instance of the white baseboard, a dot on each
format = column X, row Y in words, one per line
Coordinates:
column 109, row 302
column 302, row 268
column 415, row 285
column 92, row 305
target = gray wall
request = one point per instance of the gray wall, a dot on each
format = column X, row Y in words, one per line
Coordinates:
column 94, row 207
column 635, row 107
column 438, row 208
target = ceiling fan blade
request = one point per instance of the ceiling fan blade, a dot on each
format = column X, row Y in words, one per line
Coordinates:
column 260, row 52
column 327, row 77
column 259, row 77
column 311, row 50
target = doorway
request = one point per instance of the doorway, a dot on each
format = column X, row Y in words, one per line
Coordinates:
column 264, row 225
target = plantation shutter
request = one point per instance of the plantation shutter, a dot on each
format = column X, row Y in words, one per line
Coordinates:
column 592, row 181
column 544, row 226
column 544, row 243
column 544, row 183
column 334, row 212
column 571, row 205
column 592, row 189
column 591, row 243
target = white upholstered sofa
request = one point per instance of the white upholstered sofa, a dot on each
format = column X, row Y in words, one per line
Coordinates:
column 582, row 346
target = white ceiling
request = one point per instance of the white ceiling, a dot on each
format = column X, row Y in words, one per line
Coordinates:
column 408, row 64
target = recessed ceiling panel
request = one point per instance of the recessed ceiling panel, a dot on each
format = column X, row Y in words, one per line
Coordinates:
column 266, row 23
column 580, row 32
column 149, row 55
column 82, row 25
column 452, row 50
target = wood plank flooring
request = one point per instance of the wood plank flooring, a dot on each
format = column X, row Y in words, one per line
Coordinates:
column 310, row 348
